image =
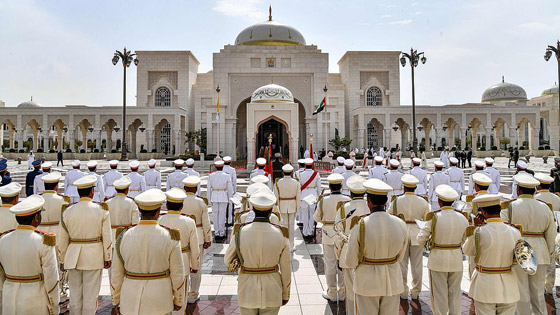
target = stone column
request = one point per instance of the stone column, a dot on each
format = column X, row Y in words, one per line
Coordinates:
column 97, row 134
column 474, row 138
column 512, row 137
column 71, row 138
column 533, row 138
column 150, row 139
column 35, row 140
column 387, row 138
column 60, row 140
column 362, row 137
column 488, row 133
column 109, row 140
column 519, row 132
column 20, row 139
column 178, row 147
column 12, row 139
column 437, row 136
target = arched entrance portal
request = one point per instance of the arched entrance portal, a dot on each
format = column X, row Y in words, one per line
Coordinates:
column 280, row 138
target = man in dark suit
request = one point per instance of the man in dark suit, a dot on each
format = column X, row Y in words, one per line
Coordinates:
column 59, row 158
column 31, row 177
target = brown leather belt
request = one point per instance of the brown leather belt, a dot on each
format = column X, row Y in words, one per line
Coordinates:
column 328, row 222
column 532, row 234
column 290, row 198
column 199, row 225
column 185, row 250
column 383, row 261
column 116, row 226
column 494, row 270
column 49, row 223
column 86, row 240
column 447, row 246
column 410, row 222
column 25, row 279
column 146, row 276
column 259, row 270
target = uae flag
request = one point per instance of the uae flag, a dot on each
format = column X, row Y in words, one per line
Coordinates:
column 321, row 106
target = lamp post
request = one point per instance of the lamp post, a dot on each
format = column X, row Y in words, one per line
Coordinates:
column 413, row 59
column 556, row 50
column 127, row 58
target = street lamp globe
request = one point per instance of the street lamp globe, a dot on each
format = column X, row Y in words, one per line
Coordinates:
column 403, row 61
column 115, row 60
column 424, row 59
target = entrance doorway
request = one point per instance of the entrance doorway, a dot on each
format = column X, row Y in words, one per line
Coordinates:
column 280, row 139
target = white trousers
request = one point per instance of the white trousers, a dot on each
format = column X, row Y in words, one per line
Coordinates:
column 333, row 275
column 84, row 289
column 445, row 291
column 259, row 311
column 230, row 213
column 494, row 308
column 376, row 305
column 219, row 217
column 349, row 285
column 531, row 291
column 306, row 218
column 288, row 219
column 550, row 274
column 194, row 279
column 414, row 254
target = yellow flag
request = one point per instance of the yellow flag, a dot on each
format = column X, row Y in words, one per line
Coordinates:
column 218, row 109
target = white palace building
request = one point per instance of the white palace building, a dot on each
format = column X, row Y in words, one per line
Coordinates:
column 270, row 82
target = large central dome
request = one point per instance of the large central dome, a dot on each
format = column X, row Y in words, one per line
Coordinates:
column 504, row 91
column 270, row 33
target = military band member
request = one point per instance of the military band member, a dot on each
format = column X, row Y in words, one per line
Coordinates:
column 196, row 208
column 249, row 215
column 219, row 190
column 262, row 252
column 412, row 207
column 481, row 183
column 539, row 230
column 494, row 174
column 446, row 231
column 123, row 211
column 112, row 175
column 393, row 178
column 138, row 183
column 29, row 277
column 310, row 181
column 152, row 176
column 30, row 177
column 494, row 286
column 379, row 170
column 85, row 246
column 521, row 169
column 376, row 244
column 421, row 175
column 175, row 179
column 69, row 188
column 326, row 214
column 38, row 186
column 187, row 229
column 348, row 172
column 191, row 172
column 544, row 194
column 261, row 163
column 148, row 276
column 437, row 178
column 340, row 168
column 479, row 168
column 456, row 176
column 287, row 191
column 233, row 175
column 54, row 204
column 10, row 196
column 99, row 188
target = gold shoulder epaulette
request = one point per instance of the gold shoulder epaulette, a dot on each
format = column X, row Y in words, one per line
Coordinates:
column 205, row 200
column 355, row 221
column 519, row 227
column 237, row 227
column 64, row 207
column 504, row 204
column 426, row 198
column 464, row 214
column 401, row 216
column 340, row 204
column 469, row 198
column 173, row 233
column 48, row 238
column 104, row 206
column 557, row 194
column 470, row 230
column 429, row 216
column 192, row 216
column 276, row 213
column 67, row 199
column 284, row 229
column 238, row 214
column 550, row 206
column 393, row 197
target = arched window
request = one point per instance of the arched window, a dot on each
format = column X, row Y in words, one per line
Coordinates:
column 372, row 138
column 374, row 97
column 163, row 97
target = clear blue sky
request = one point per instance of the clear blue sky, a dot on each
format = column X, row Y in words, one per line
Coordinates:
column 60, row 51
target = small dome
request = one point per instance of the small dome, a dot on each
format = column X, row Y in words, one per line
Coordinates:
column 504, row 91
column 551, row 90
column 272, row 93
column 29, row 104
column 270, row 33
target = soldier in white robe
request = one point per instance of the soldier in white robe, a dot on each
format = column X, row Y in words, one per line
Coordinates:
column 421, row 175
column 152, row 176
column 109, row 177
column 436, row 179
column 69, row 188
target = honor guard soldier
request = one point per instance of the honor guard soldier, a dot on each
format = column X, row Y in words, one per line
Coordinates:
column 4, row 178
column 196, row 208
column 436, row 179
column 393, row 179
column 54, row 204
column 456, row 176
column 233, row 176
column 494, row 287
column 99, row 188
column 544, row 194
column 138, row 184
column 175, row 179
column 421, row 175
column 30, row 177
column 445, row 230
column 326, row 214
column 539, row 230
column 555, row 173
column 412, row 207
column 377, row 243
column 310, row 181
column 148, row 276
column 521, row 169
column 187, row 229
column 261, row 163
column 219, row 190
column 85, row 246
column 261, row 251
column 10, row 196
column 191, row 172
column 348, row 172
column 123, row 211
column 287, row 191
column 69, row 188
column 340, row 168
column 346, row 211
column 379, row 170
column 494, row 174
column 479, row 168
column 301, row 168
column 152, row 176
column 109, row 177
column 29, row 278
column 38, row 186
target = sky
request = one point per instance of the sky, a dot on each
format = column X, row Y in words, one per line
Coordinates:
column 60, row 51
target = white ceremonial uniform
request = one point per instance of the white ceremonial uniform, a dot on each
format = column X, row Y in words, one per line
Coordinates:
column 413, row 207
column 378, row 172
column 148, row 288
column 233, row 176
column 437, row 178
column 259, row 171
column 219, row 190
column 85, row 242
column 98, row 189
column 191, row 172
column 444, row 157
column 123, row 212
column 494, row 286
column 347, row 174
column 7, row 219
column 152, row 178
column 137, row 185
column 175, row 179
column 422, row 176
column 298, row 172
column 471, row 181
column 445, row 262
column 326, row 214
column 50, row 218
column 378, row 279
column 30, row 159
column 553, row 199
column 24, row 254
column 312, row 188
column 514, row 185
column 248, row 216
column 108, row 179
column 38, row 184
column 456, row 179
column 265, row 275
column 339, row 169
column 393, row 179
column 539, row 230
column 494, row 174
column 69, row 189
column 288, row 190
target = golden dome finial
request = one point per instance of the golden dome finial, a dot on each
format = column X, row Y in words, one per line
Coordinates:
column 270, row 12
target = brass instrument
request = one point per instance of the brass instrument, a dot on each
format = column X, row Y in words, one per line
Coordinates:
column 525, row 256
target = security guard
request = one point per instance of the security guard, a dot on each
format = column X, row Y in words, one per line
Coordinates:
column 30, row 276
column 85, row 246
column 421, row 175
column 219, row 190
column 479, row 168
column 196, row 208
column 492, row 243
column 233, row 176
column 30, row 177
column 137, row 184
column 340, row 168
column 175, row 179
column 539, row 230
column 191, row 172
column 123, row 211
column 521, row 169
column 187, row 229
column 98, row 188
column 377, row 243
column 379, row 170
column 412, row 207
column 456, row 176
column 109, row 177
column 69, row 188
column 445, row 230
column 287, row 191
column 157, row 287
column 555, row 173
column 152, row 176
column 326, row 214
column 393, row 179
column 494, row 174
column 38, row 186
column 10, row 196
column 261, row 250
column 310, row 181
column 261, row 163
column 348, row 172
column 436, row 179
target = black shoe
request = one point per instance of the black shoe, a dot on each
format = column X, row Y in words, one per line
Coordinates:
column 300, row 224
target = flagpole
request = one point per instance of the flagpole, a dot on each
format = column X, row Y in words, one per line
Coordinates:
column 326, row 122
column 218, row 118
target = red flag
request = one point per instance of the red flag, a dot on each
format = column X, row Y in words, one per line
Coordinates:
column 311, row 153
column 269, row 158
